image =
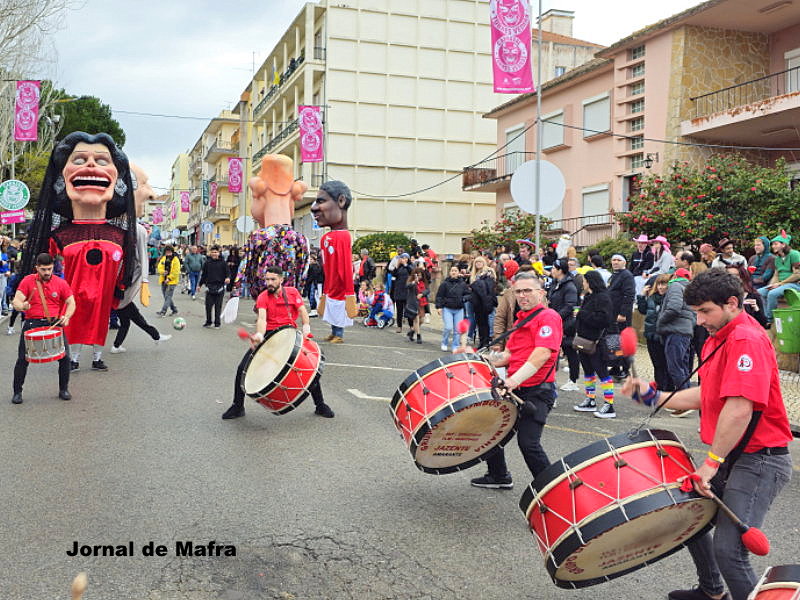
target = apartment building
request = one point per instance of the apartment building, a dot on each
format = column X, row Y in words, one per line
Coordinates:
column 725, row 72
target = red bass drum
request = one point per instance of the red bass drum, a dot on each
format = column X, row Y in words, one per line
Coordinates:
column 778, row 583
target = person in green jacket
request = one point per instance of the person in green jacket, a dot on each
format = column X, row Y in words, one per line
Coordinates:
column 787, row 272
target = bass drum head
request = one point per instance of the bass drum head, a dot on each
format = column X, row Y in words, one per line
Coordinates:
column 269, row 359
column 460, row 434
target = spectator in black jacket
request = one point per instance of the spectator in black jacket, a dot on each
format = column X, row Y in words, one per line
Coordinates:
column 314, row 280
column 594, row 319
column 450, row 298
column 366, row 271
column 641, row 262
column 563, row 298
column 483, row 298
column 399, row 294
column 215, row 276
column 622, row 291
column 753, row 302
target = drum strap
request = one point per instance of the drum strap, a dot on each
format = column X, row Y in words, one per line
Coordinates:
column 44, row 301
column 737, row 451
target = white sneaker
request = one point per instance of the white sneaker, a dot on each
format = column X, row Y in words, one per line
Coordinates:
column 427, row 318
column 163, row 337
column 565, row 369
column 115, row 350
column 570, row 386
column 313, row 313
column 444, row 347
column 10, row 331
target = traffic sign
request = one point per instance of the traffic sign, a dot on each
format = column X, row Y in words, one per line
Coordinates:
column 12, row 216
column 14, row 194
column 207, row 227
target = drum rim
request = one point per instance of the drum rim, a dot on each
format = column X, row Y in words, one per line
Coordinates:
column 289, row 407
column 612, row 519
column 600, row 447
column 788, row 574
column 53, row 332
column 416, row 437
column 284, row 369
column 429, row 368
column 45, row 360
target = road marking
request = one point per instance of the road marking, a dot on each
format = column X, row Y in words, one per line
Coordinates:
column 349, row 345
column 363, row 396
column 330, row 364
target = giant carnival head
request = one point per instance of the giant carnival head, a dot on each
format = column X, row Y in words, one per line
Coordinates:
column 330, row 207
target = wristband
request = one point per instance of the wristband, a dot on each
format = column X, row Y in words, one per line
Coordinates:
column 651, row 396
column 712, row 463
column 715, row 458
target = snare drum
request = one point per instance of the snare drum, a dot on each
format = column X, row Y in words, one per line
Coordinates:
column 44, row 344
column 281, row 369
column 613, row 507
column 778, row 583
column 448, row 416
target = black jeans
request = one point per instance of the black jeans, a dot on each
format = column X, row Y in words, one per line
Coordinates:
column 655, row 348
column 529, row 435
column 315, row 389
column 399, row 309
column 595, row 364
column 21, row 367
column 482, row 323
column 215, row 301
column 130, row 313
column 573, row 360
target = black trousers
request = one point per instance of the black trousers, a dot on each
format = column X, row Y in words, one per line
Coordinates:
column 399, row 310
column 130, row 313
column 21, row 367
column 529, row 436
column 655, row 348
column 573, row 360
column 315, row 389
column 213, row 301
column 482, row 323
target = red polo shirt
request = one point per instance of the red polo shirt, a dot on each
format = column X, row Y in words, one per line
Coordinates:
column 56, row 292
column 745, row 366
column 280, row 311
column 543, row 331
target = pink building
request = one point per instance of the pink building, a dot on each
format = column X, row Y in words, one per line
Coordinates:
column 724, row 72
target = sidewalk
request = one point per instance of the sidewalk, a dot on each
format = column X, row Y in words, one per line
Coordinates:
column 790, row 382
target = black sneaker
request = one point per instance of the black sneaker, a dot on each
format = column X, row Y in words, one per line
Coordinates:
column 487, row 481
column 206, row 324
column 410, row 336
column 693, row 594
column 65, row 395
column 16, row 398
column 588, row 405
column 234, row 412
column 419, row 339
column 606, row 411
column 323, row 410
column 74, row 366
column 99, row 365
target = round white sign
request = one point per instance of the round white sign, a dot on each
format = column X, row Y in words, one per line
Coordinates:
column 523, row 187
column 245, row 224
column 207, row 227
column 14, row 194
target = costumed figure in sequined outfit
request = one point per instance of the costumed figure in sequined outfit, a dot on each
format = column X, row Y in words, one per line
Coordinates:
column 87, row 215
column 275, row 243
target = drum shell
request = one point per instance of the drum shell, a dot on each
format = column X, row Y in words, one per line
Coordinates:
column 468, row 380
column 781, row 582
column 287, row 390
column 44, row 344
column 637, row 474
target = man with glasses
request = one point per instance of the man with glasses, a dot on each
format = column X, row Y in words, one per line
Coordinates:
column 530, row 357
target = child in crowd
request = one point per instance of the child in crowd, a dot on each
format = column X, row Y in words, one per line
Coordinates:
column 381, row 312
column 365, row 295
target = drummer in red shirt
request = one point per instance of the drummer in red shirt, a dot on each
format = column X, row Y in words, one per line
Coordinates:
column 744, row 422
column 530, row 356
column 60, row 306
column 277, row 306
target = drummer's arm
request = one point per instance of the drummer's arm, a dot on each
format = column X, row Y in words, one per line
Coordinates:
column 305, row 320
column 70, row 310
column 538, row 357
column 261, row 328
column 20, row 303
column 688, row 399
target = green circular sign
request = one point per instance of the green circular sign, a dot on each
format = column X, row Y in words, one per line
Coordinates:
column 14, row 194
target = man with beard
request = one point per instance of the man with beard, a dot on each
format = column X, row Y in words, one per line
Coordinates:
column 46, row 301
column 277, row 306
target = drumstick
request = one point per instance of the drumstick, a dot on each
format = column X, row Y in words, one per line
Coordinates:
column 79, row 585
column 463, row 328
column 629, row 343
column 243, row 333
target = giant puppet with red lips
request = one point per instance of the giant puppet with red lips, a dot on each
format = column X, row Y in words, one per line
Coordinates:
column 87, row 215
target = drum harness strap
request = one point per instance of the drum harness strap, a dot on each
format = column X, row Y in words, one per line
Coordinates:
column 44, row 303
column 503, row 336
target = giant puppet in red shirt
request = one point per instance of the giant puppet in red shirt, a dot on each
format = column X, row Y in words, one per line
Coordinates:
column 338, row 303
column 87, row 214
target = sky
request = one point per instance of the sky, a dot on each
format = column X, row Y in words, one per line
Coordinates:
column 193, row 58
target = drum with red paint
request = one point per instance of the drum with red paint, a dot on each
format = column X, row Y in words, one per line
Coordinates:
column 44, row 344
column 448, row 415
column 614, row 507
column 281, row 369
column 778, row 583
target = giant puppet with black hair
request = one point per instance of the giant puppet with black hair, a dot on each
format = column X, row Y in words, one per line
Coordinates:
column 87, row 215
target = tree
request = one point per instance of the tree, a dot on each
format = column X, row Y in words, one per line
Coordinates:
column 512, row 225
column 381, row 244
column 86, row 113
column 727, row 197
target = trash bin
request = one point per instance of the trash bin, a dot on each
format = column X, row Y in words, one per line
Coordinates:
column 787, row 324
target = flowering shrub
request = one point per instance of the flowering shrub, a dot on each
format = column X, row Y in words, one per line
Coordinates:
column 381, row 244
column 513, row 225
column 728, row 197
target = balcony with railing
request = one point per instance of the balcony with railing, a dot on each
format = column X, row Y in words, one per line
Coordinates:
column 760, row 112
column 219, row 149
column 276, row 141
column 294, row 64
column 586, row 230
column 494, row 173
column 218, row 213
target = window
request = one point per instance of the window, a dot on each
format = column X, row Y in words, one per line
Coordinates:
column 596, row 115
column 637, row 161
column 560, row 71
column 637, row 88
column 636, row 124
column 515, row 148
column 637, row 52
column 636, row 143
column 637, row 107
column 552, row 130
column 793, row 70
column 595, row 200
column 637, row 71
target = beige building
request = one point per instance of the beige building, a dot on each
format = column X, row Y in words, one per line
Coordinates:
column 560, row 51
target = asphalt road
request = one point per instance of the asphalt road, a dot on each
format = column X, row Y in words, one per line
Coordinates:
column 316, row 508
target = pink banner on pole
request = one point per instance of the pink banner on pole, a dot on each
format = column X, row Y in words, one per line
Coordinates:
column 158, row 215
column 511, row 46
column 311, row 133
column 26, row 111
column 12, row 216
column 173, row 213
column 212, row 192
column 185, row 202
column 234, row 175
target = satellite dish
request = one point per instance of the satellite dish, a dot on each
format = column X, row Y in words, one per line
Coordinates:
column 523, row 187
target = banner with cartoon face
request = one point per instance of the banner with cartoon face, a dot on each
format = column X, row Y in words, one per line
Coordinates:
column 511, row 46
column 185, row 202
column 311, row 133
column 26, row 111
column 235, row 175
